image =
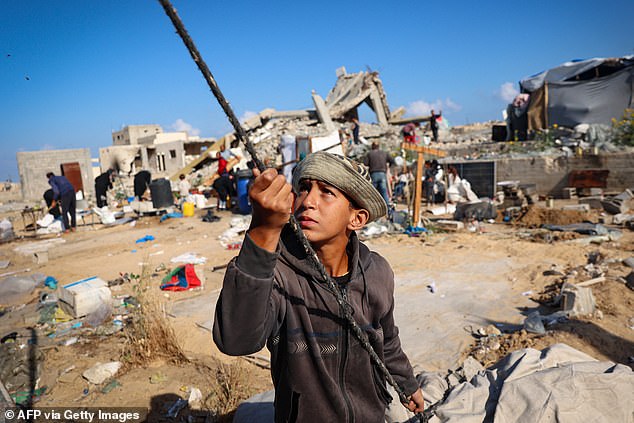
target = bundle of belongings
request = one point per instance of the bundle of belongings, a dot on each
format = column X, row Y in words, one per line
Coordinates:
column 181, row 278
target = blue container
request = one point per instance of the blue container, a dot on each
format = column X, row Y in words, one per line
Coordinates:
column 245, row 177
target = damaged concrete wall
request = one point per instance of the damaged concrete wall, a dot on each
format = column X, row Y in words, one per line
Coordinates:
column 123, row 157
column 170, row 157
column 550, row 173
column 130, row 134
column 34, row 165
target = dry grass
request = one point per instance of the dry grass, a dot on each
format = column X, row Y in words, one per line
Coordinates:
column 229, row 385
column 150, row 336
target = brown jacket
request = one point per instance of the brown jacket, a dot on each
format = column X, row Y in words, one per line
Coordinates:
column 320, row 371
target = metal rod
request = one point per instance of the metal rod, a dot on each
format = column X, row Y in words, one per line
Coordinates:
column 242, row 136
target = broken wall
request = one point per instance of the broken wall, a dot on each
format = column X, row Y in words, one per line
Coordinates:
column 550, row 173
column 34, row 165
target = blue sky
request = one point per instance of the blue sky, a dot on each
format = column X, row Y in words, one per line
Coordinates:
column 71, row 71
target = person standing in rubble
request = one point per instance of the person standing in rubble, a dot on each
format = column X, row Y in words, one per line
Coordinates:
column 378, row 161
column 355, row 130
column 64, row 192
column 183, row 188
column 273, row 296
column 103, row 183
column 223, row 184
column 433, row 124
column 409, row 132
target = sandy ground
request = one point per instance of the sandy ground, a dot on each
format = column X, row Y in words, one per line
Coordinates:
column 447, row 286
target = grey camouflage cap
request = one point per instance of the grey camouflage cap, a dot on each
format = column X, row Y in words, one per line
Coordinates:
column 348, row 176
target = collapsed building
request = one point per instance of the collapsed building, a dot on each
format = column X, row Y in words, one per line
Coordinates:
column 326, row 126
column 469, row 148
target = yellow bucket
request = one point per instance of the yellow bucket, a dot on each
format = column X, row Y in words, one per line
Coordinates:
column 188, row 209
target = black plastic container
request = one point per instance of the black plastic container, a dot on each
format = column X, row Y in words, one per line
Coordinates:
column 161, row 191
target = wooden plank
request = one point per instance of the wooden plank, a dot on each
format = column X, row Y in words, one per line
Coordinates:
column 591, row 281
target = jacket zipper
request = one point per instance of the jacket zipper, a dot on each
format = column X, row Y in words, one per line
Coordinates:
column 342, row 366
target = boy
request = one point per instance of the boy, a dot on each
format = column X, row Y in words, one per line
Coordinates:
column 272, row 295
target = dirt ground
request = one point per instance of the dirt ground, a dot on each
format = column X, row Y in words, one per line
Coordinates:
column 449, row 285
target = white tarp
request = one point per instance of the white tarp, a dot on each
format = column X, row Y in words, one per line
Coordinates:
column 558, row 385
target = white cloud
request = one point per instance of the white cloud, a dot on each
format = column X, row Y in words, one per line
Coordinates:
column 246, row 115
column 507, row 92
column 181, row 125
column 422, row 107
column 450, row 105
column 48, row 147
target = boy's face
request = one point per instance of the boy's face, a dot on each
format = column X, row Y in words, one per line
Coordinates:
column 325, row 214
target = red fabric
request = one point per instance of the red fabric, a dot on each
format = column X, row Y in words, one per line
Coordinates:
column 222, row 166
column 190, row 277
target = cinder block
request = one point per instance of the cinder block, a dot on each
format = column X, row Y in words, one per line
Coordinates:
column 450, row 225
column 577, row 207
column 577, row 301
column 593, row 202
column 569, row 193
column 82, row 297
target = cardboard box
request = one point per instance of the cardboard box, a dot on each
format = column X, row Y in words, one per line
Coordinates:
column 82, row 297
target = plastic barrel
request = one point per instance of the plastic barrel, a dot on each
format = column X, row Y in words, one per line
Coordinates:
column 242, row 187
column 161, row 191
column 188, row 209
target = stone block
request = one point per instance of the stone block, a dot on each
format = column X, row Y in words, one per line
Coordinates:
column 577, row 207
column 85, row 296
column 577, row 301
column 40, row 257
column 594, row 202
column 450, row 225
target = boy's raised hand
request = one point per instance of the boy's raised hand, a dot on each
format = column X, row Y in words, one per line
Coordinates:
column 272, row 201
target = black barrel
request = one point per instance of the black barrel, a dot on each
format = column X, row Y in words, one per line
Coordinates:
column 161, row 191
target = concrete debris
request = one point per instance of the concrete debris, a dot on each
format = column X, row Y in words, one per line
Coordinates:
column 99, row 373
column 533, row 323
column 617, row 204
column 577, row 301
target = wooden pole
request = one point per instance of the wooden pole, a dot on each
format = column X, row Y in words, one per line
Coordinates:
column 418, row 188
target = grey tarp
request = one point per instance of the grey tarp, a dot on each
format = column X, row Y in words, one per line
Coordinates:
column 587, row 91
column 593, row 101
column 563, row 72
column 558, row 385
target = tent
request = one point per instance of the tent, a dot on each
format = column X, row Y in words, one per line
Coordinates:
column 583, row 91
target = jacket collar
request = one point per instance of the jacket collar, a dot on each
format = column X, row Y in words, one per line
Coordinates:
column 292, row 252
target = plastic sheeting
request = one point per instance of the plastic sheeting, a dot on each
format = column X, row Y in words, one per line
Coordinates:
column 594, row 101
column 558, row 384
